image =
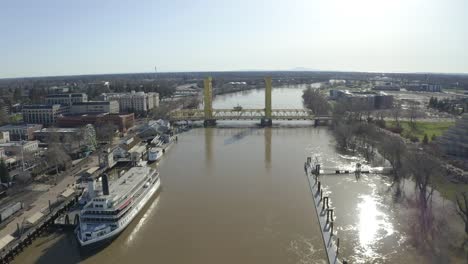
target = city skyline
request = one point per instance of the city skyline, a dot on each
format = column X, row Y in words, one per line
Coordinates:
column 53, row 38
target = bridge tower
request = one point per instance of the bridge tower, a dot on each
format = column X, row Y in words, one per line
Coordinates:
column 208, row 103
column 266, row 120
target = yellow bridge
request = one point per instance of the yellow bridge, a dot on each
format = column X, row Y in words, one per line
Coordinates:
column 266, row 115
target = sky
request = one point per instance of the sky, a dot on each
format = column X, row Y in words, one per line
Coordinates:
column 65, row 37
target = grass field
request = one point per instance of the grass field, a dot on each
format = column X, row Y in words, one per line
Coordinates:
column 421, row 128
column 445, row 187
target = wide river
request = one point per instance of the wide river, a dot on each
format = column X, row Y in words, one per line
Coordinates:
column 236, row 194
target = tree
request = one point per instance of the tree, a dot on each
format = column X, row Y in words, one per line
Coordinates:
column 396, row 112
column 316, row 101
column 3, row 114
column 57, row 155
column 17, row 95
column 393, row 149
column 423, row 167
column 413, row 111
column 162, row 112
column 4, row 174
column 106, row 131
column 462, row 211
column 165, row 89
column 425, row 139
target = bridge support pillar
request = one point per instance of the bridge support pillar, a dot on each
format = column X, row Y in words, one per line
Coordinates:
column 266, row 122
column 209, row 122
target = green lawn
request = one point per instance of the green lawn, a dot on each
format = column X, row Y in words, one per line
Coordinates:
column 448, row 189
column 421, row 128
column 445, row 187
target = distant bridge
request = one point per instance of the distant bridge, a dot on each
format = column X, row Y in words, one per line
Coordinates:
column 266, row 115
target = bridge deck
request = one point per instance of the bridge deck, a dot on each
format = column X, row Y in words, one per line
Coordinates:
column 245, row 114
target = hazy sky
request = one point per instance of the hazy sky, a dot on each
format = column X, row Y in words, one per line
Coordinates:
column 47, row 37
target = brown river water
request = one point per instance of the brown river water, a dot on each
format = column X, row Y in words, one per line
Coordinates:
column 239, row 195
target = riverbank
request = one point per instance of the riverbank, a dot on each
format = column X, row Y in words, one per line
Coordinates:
column 426, row 205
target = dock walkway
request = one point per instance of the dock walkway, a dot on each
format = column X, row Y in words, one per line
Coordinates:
column 325, row 216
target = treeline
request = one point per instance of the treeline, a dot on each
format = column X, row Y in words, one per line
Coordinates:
column 36, row 94
column 408, row 161
column 456, row 107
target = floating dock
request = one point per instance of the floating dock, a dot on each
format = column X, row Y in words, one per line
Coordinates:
column 325, row 213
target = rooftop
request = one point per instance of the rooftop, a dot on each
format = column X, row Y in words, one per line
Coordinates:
column 57, row 130
column 126, row 182
column 93, row 103
column 12, row 126
column 65, row 95
column 41, row 106
column 17, row 143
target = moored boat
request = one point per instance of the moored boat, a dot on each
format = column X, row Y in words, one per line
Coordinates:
column 110, row 210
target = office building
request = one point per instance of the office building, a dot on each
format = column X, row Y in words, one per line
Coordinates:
column 41, row 114
column 21, row 131
column 111, row 107
column 134, row 102
column 122, row 121
column 66, row 99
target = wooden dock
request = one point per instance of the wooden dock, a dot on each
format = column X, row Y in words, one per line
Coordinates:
column 23, row 240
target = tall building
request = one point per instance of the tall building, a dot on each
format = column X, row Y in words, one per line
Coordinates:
column 111, row 107
column 66, row 99
column 138, row 102
column 122, row 121
column 41, row 114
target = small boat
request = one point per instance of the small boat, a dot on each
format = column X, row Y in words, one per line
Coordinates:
column 154, row 154
column 238, row 108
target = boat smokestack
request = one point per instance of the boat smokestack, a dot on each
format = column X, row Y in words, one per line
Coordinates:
column 105, row 185
column 91, row 188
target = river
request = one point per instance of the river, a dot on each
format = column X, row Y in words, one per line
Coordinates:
column 236, row 194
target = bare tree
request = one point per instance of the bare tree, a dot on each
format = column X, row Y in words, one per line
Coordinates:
column 162, row 112
column 106, row 131
column 423, row 168
column 393, row 149
column 413, row 112
column 316, row 101
column 462, row 210
column 57, row 156
column 396, row 112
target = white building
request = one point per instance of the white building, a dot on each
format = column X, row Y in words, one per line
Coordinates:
column 139, row 102
column 41, row 114
column 111, row 107
column 4, row 136
column 15, row 146
column 66, row 99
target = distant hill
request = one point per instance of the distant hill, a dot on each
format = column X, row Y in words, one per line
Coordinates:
column 302, row 69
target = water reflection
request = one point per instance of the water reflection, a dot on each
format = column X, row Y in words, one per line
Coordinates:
column 208, row 146
column 267, row 133
column 142, row 221
column 374, row 225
